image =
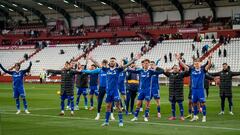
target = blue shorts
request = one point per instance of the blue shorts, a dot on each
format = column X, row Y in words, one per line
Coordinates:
column 144, row 96
column 114, row 97
column 94, row 90
column 19, row 93
column 82, row 91
column 65, row 96
column 198, row 95
column 155, row 94
column 121, row 88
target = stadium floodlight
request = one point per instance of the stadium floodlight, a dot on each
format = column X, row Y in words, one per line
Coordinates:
column 39, row 3
column 65, row 1
column 24, row 9
column 50, row 8
column 132, row 1
column 10, row 9
column 2, row 6
column 75, row 5
column 103, row 3
column 15, row 5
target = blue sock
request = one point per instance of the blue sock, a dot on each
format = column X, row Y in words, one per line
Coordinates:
column 17, row 103
column 68, row 102
column 181, row 108
column 62, row 105
column 195, row 109
column 204, row 110
column 136, row 112
column 173, row 109
column 147, row 112
column 91, row 102
column 189, row 110
column 158, row 109
column 78, row 99
column 85, row 100
column 25, row 104
column 72, row 104
column 107, row 117
column 120, row 116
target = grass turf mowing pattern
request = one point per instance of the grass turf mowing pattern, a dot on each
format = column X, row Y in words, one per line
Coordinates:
column 44, row 104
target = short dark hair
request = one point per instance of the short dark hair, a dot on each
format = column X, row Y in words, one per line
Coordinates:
column 225, row 63
column 113, row 58
column 142, row 61
column 196, row 60
column 152, row 62
column 174, row 66
column 18, row 64
column 94, row 65
column 146, row 60
column 105, row 61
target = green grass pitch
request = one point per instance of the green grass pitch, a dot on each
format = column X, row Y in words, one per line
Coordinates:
column 44, row 105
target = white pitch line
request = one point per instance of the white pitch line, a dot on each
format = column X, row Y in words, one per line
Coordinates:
column 148, row 123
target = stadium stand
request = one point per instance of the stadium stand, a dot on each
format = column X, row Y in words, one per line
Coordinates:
column 50, row 57
column 9, row 57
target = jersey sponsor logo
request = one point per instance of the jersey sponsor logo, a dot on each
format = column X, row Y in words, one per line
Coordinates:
column 112, row 72
column 17, row 75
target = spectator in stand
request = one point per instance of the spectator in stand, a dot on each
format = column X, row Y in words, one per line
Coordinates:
column 198, row 55
column 224, row 53
column 131, row 55
column 79, row 46
column 219, row 53
column 214, row 41
column 165, row 58
column 228, row 39
column 170, row 56
column 221, row 39
column 213, row 37
column 193, row 47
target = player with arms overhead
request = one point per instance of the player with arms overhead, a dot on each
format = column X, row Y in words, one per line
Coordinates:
column 18, row 87
column 197, row 73
column 145, row 76
column 112, row 87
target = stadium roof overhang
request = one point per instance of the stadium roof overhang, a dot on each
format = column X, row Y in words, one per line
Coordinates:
column 16, row 9
column 148, row 8
column 5, row 13
column 85, row 8
column 33, row 10
column 58, row 9
column 116, row 7
column 180, row 8
column 212, row 5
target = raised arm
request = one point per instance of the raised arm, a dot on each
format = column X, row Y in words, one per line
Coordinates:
column 167, row 72
column 132, row 61
column 209, row 77
column 5, row 70
column 209, row 63
column 235, row 73
column 181, row 62
column 214, row 74
column 136, row 71
column 95, row 71
column 28, row 68
column 94, row 61
column 54, row 71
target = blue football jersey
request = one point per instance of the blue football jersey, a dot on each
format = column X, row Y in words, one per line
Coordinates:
column 197, row 77
column 102, row 78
